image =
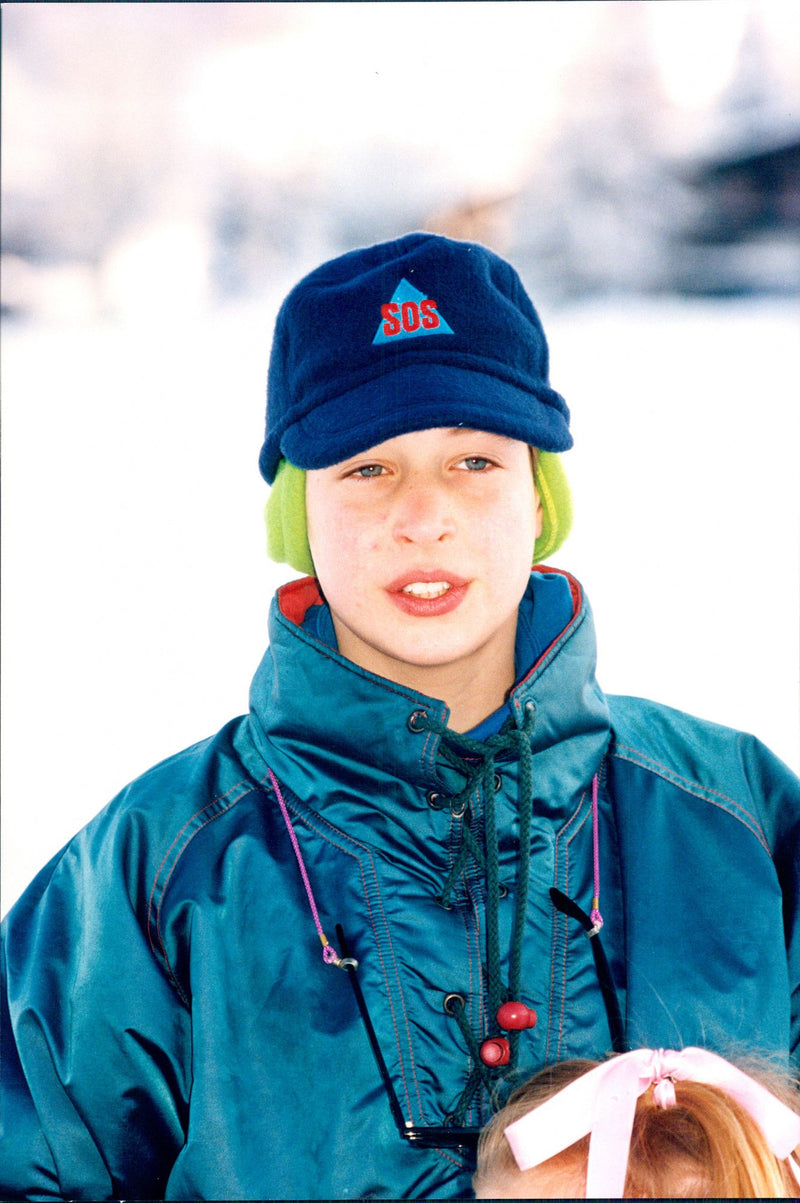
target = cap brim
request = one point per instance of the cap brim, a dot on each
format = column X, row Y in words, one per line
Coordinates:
column 418, row 397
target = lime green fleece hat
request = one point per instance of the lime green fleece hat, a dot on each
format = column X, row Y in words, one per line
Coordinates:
column 287, row 534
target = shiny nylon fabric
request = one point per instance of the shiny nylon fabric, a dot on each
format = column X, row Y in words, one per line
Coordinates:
column 178, row 1032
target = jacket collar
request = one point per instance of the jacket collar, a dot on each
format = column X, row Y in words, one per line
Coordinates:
column 316, row 716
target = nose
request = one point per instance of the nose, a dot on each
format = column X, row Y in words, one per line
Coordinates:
column 423, row 514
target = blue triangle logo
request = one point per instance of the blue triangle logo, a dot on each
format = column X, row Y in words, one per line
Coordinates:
column 409, row 314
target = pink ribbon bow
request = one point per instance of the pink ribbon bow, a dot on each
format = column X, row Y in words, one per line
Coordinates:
column 603, row 1102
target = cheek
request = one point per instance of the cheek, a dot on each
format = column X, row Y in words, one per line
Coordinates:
column 509, row 528
column 370, row 533
column 342, row 542
column 359, row 537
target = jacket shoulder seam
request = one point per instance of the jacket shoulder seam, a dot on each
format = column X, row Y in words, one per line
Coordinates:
column 196, row 823
column 706, row 793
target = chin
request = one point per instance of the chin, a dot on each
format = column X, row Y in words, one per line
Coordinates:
column 430, row 657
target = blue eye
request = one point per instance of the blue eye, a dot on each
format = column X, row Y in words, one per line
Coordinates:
column 369, row 470
column 476, row 463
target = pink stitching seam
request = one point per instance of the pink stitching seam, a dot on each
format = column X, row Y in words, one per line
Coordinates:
column 701, row 792
column 559, row 924
column 568, row 842
column 335, row 843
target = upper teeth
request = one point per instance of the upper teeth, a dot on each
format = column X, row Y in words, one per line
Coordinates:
column 427, row 588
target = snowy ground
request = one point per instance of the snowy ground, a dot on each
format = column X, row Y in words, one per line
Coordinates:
column 136, row 588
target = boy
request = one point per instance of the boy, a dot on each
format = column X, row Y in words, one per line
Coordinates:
column 429, row 777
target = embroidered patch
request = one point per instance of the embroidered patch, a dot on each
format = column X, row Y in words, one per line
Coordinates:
column 409, row 314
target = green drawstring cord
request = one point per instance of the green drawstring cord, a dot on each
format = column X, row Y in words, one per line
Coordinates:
column 476, row 759
column 469, row 847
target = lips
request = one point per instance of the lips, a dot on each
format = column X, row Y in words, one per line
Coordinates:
column 426, row 594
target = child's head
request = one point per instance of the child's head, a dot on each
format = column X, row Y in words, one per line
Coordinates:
column 410, row 335
column 643, row 1125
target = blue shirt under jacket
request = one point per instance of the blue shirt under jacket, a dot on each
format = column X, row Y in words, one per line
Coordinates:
column 171, row 1029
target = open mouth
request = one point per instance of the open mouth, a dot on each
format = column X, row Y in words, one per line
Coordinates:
column 427, row 595
column 427, row 589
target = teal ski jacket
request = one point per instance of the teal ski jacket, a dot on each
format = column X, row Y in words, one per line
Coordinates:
column 173, row 1026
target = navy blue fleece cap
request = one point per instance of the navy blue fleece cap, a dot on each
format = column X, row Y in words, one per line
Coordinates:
column 407, row 335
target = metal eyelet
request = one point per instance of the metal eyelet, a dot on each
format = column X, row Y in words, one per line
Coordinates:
column 435, row 801
column 453, row 1001
column 416, row 721
column 458, row 813
column 502, row 891
column 498, row 782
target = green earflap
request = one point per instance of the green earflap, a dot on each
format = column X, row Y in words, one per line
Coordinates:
column 285, row 513
column 554, row 493
column 285, row 516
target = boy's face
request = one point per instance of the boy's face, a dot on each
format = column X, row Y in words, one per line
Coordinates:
column 423, row 546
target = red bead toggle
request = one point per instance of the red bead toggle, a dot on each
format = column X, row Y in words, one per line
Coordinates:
column 496, row 1051
column 515, row 1017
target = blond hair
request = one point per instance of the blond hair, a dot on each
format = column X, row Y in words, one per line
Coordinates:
column 706, row 1145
